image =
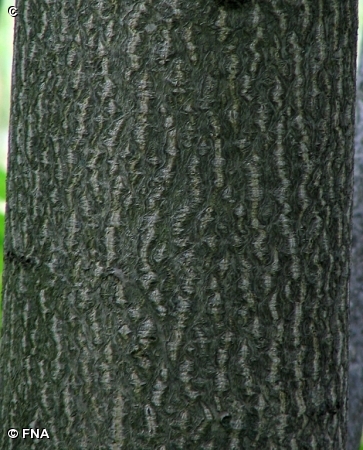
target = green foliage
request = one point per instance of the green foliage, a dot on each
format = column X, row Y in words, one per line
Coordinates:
column 6, row 32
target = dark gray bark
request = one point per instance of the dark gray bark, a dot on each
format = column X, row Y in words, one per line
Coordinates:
column 178, row 225
column 355, row 416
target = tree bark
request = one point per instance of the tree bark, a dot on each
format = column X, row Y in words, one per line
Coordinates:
column 178, row 225
column 355, row 417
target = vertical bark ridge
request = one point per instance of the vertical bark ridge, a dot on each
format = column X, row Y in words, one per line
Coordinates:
column 355, row 418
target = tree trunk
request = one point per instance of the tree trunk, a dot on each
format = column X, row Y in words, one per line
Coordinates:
column 178, row 225
column 355, row 417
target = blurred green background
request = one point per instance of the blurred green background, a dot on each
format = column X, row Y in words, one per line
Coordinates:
column 6, row 42
column 6, row 54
